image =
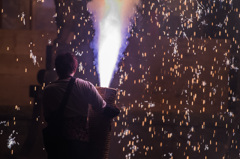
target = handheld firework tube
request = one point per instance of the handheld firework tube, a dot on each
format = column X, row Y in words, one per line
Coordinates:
column 100, row 126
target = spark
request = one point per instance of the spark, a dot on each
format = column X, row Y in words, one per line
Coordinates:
column 49, row 41
column 78, row 53
column 22, row 17
column 11, row 140
column 33, row 57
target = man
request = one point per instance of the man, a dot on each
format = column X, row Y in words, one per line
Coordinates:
column 69, row 131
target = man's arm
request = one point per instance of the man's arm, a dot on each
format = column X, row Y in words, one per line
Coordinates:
column 98, row 104
column 95, row 99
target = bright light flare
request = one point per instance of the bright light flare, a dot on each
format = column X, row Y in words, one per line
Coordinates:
column 109, row 42
column 111, row 20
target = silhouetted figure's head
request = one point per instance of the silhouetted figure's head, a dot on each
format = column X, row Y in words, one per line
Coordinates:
column 66, row 65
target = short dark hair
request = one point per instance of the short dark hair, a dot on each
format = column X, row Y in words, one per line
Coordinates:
column 66, row 64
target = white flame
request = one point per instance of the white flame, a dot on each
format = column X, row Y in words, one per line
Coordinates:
column 111, row 20
column 109, row 41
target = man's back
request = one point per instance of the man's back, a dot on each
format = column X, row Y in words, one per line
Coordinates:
column 82, row 94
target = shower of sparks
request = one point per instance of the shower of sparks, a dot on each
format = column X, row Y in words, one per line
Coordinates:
column 174, row 78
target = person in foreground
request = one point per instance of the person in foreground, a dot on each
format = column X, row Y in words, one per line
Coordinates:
column 65, row 105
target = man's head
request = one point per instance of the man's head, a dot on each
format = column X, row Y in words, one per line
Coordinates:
column 66, row 65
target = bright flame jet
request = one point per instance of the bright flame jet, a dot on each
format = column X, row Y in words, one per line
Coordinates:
column 111, row 21
column 109, row 41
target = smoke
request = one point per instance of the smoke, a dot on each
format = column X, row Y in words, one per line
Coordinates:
column 128, row 10
column 111, row 21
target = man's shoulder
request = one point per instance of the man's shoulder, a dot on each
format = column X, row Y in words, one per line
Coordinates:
column 51, row 86
column 84, row 83
column 81, row 81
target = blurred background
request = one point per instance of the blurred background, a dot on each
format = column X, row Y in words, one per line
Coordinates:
column 178, row 79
